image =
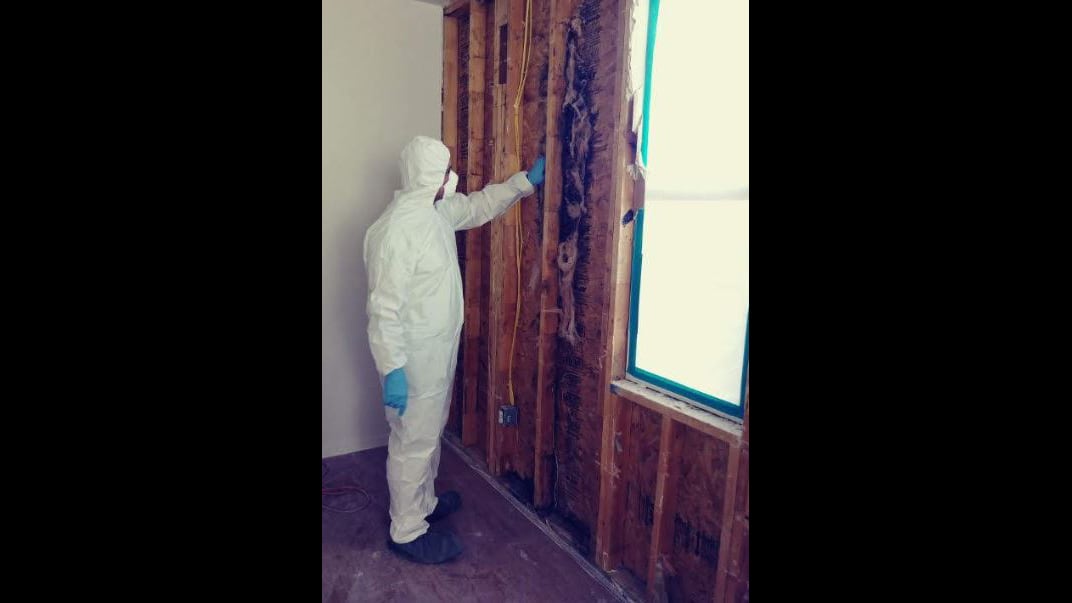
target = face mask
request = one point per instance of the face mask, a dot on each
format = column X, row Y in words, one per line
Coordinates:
column 452, row 183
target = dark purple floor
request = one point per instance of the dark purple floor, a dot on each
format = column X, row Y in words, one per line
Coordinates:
column 506, row 558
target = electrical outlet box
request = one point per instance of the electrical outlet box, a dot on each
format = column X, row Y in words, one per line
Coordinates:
column 507, row 415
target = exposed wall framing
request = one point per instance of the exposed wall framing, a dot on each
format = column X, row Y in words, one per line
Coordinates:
column 474, row 413
column 457, row 43
column 644, row 485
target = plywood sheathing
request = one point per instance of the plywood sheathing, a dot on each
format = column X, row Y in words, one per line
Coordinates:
column 561, row 12
column 735, row 580
column 474, row 417
column 459, row 165
column 533, row 112
column 587, row 188
column 491, row 135
column 496, row 303
column 457, row 395
column 640, row 466
column 697, row 524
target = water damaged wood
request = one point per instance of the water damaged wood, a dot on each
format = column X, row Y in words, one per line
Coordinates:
column 641, row 487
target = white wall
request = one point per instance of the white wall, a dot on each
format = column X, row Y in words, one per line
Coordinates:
column 381, row 74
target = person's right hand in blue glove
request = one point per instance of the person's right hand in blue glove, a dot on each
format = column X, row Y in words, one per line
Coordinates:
column 535, row 175
column 395, row 390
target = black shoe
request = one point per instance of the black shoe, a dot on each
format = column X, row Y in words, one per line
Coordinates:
column 430, row 547
column 448, row 503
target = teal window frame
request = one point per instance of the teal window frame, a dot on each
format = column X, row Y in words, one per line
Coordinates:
column 714, row 402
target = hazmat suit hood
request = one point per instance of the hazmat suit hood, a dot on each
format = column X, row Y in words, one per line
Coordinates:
column 423, row 163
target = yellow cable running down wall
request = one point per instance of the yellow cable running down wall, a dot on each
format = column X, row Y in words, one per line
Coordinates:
column 517, row 207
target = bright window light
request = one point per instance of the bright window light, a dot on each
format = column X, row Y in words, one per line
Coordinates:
column 691, row 306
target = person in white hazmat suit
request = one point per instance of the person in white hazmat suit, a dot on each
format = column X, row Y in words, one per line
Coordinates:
column 415, row 310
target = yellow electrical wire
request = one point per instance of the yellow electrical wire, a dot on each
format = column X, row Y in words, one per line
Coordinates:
column 517, row 207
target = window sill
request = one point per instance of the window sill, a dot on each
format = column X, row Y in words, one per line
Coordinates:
column 681, row 411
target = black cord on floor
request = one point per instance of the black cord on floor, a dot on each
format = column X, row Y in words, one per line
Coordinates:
column 324, row 491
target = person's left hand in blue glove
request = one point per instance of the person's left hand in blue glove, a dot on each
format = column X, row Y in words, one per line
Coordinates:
column 535, row 174
column 395, row 390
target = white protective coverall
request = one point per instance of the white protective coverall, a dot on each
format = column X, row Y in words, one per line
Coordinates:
column 415, row 311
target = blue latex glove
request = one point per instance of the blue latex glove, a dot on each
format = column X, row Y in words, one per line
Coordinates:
column 395, row 391
column 536, row 173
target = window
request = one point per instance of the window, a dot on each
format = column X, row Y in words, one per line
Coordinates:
column 689, row 306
